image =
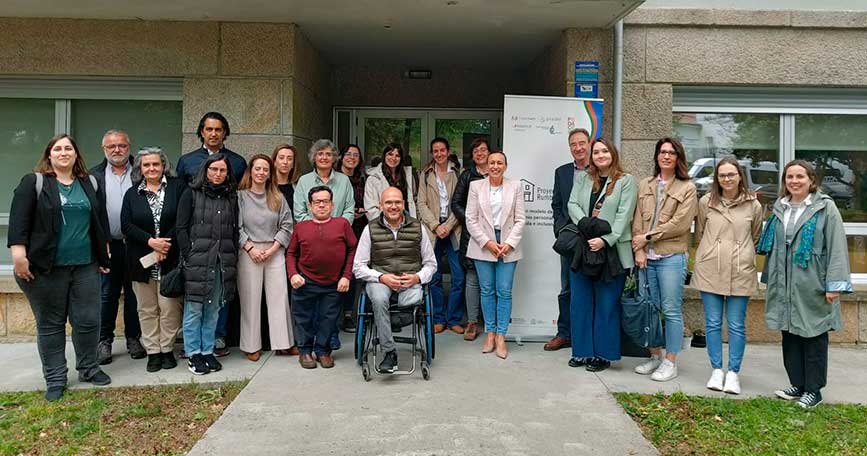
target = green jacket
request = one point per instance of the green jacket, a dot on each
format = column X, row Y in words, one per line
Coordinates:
column 795, row 300
column 342, row 196
column 617, row 210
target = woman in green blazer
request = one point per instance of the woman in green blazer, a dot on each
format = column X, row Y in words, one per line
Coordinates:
column 608, row 193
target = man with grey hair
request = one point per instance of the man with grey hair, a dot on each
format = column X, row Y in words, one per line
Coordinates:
column 564, row 176
column 323, row 155
column 114, row 175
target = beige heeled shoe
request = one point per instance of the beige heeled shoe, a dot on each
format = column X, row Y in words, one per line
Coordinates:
column 489, row 345
column 502, row 352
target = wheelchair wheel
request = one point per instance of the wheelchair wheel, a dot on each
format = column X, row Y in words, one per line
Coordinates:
column 429, row 339
column 361, row 330
column 365, row 372
column 425, row 371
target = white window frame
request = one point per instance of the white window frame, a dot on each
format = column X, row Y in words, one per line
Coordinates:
column 785, row 102
column 64, row 90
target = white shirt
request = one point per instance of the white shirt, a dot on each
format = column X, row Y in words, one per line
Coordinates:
column 361, row 265
column 799, row 211
column 497, row 205
column 444, row 197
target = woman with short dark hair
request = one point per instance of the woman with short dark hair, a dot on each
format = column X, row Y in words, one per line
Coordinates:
column 59, row 242
column 147, row 218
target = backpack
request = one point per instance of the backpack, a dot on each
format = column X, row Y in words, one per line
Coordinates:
column 40, row 179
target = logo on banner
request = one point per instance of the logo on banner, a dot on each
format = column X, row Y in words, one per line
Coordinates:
column 529, row 189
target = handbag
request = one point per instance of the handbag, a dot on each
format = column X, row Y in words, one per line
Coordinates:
column 172, row 284
column 567, row 240
column 639, row 316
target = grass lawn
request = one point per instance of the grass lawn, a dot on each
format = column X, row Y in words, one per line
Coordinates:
column 162, row 420
column 681, row 424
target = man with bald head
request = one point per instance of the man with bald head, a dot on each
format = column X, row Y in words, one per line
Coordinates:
column 394, row 255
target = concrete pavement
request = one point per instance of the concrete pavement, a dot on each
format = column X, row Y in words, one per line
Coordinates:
column 531, row 403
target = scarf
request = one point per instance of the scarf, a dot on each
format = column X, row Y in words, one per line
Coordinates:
column 805, row 246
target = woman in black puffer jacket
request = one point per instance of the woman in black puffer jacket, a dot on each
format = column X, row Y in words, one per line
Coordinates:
column 208, row 238
column 474, row 171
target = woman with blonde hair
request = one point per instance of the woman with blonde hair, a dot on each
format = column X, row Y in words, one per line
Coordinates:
column 265, row 227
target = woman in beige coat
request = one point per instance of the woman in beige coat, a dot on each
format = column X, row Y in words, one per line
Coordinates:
column 727, row 228
column 495, row 220
column 438, row 180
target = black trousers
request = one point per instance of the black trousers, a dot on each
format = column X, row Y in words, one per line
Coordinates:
column 66, row 293
column 806, row 361
column 112, row 283
column 308, row 302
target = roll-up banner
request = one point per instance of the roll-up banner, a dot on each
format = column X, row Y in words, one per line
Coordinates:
column 535, row 139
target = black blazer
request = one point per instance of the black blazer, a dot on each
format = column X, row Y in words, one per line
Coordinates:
column 35, row 222
column 563, row 180
column 137, row 223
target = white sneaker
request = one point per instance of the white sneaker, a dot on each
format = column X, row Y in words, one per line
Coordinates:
column 666, row 371
column 716, row 380
column 733, row 384
column 649, row 366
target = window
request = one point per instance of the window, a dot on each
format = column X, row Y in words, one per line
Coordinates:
column 753, row 138
column 33, row 110
column 766, row 128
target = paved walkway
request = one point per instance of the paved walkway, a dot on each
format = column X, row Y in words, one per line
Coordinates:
column 531, row 403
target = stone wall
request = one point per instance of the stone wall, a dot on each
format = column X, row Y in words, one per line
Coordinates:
column 267, row 79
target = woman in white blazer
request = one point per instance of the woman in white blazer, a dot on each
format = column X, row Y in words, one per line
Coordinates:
column 495, row 221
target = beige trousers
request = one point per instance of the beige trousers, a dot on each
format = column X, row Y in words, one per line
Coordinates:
column 251, row 278
column 159, row 316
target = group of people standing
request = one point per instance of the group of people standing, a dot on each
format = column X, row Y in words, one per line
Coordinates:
column 231, row 228
column 648, row 223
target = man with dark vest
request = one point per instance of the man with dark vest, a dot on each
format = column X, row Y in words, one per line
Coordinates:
column 394, row 255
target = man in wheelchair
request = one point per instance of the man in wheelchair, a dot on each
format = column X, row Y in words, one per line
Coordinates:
column 393, row 255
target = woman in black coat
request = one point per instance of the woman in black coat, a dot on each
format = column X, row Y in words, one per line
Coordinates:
column 58, row 234
column 147, row 219
column 207, row 230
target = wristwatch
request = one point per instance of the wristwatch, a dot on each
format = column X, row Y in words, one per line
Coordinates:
column 647, row 237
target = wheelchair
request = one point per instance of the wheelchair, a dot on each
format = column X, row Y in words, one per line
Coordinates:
column 419, row 317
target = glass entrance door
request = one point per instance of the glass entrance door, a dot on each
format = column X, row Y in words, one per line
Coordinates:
column 373, row 129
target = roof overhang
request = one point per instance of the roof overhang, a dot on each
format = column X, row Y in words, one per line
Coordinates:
column 468, row 33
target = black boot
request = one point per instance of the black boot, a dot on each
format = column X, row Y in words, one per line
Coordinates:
column 155, row 362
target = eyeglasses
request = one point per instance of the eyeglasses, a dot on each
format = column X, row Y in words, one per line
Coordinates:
column 217, row 170
column 320, row 202
column 670, row 153
column 729, row 176
column 116, row 146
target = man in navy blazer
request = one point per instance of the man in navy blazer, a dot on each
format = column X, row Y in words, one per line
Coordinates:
column 564, row 177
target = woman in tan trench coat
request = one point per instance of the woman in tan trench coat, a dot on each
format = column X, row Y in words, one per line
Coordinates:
column 728, row 225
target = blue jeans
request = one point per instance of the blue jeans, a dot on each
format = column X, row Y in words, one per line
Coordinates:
column 595, row 311
column 452, row 314
column 495, row 284
column 564, row 298
column 221, row 329
column 200, row 320
column 736, row 312
column 666, row 277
